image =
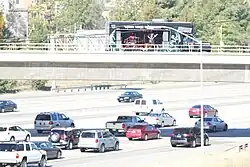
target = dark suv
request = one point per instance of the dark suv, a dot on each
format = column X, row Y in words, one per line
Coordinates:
column 188, row 136
column 65, row 137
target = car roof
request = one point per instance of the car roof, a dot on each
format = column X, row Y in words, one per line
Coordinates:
column 66, row 129
column 47, row 113
column 188, row 127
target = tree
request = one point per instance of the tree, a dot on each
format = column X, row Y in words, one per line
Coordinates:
column 2, row 25
column 208, row 16
column 7, row 85
column 135, row 10
column 83, row 14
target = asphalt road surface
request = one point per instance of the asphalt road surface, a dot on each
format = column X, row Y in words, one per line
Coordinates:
column 93, row 109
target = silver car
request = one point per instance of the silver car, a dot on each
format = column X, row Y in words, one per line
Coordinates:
column 213, row 124
column 45, row 121
column 100, row 140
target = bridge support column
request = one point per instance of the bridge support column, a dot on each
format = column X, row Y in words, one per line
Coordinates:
column 246, row 78
column 53, row 85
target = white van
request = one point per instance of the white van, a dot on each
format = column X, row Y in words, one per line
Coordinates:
column 149, row 104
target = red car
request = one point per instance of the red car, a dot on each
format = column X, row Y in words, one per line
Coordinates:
column 143, row 132
column 208, row 110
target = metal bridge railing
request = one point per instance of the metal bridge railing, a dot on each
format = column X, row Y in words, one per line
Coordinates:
column 56, row 47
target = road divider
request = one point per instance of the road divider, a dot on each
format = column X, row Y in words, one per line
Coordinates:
column 90, row 88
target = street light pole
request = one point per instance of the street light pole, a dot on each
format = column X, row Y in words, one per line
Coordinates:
column 201, row 96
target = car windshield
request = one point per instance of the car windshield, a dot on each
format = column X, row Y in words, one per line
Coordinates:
column 42, row 145
column 197, row 106
column 43, row 117
column 155, row 115
column 8, row 147
column 88, row 135
column 182, row 130
column 127, row 93
column 142, row 113
column 125, row 118
column 206, row 119
column 3, row 129
column 2, row 102
column 138, row 127
column 60, row 132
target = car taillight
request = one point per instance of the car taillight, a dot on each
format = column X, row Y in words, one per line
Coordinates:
column 123, row 126
column 186, row 135
column 17, row 155
column 50, row 123
column 172, row 135
column 209, row 123
column 157, row 119
column 96, row 140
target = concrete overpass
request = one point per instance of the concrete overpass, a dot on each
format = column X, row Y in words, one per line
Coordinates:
column 129, row 66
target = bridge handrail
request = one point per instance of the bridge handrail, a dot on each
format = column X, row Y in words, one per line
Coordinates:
column 94, row 48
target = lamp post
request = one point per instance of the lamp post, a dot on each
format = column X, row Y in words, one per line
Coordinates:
column 201, row 95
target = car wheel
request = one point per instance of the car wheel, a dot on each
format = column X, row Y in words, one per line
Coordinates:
column 173, row 145
column 59, row 155
column 14, row 110
column 130, row 100
column 214, row 129
column 82, row 149
column 130, row 139
column 70, row 145
column 191, row 116
column 158, row 135
column 72, row 125
column 174, row 123
column 225, row 128
column 116, row 148
column 206, row 142
column 146, row 137
column 162, row 125
column 12, row 138
column 102, row 148
column 2, row 110
column 27, row 138
column 42, row 162
column 24, row 163
column 39, row 131
column 193, row 144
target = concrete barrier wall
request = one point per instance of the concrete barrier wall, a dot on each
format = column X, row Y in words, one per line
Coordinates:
column 118, row 74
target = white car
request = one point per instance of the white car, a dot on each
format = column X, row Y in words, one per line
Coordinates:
column 149, row 104
column 159, row 119
column 14, row 133
column 21, row 154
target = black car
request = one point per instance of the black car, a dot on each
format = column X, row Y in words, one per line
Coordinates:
column 129, row 96
column 65, row 137
column 7, row 106
column 188, row 136
column 53, row 152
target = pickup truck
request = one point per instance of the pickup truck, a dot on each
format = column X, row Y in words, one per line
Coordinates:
column 20, row 154
column 123, row 123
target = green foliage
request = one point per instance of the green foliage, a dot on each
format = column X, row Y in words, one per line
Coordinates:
column 135, row 10
column 39, row 31
column 84, row 14
column 7, row 85
column 38, row 84
column 208, row 16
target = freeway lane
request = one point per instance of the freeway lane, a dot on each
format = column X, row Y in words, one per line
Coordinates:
column 93, row 110
column 136, row 151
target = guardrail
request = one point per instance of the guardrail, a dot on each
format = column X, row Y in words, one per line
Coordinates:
column 47, row 47
column 90, row 88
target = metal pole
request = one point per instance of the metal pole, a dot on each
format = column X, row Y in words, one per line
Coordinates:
column 201, row 96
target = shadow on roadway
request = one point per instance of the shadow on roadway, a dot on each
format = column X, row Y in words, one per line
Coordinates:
column 131, row 88
column 234, row 132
